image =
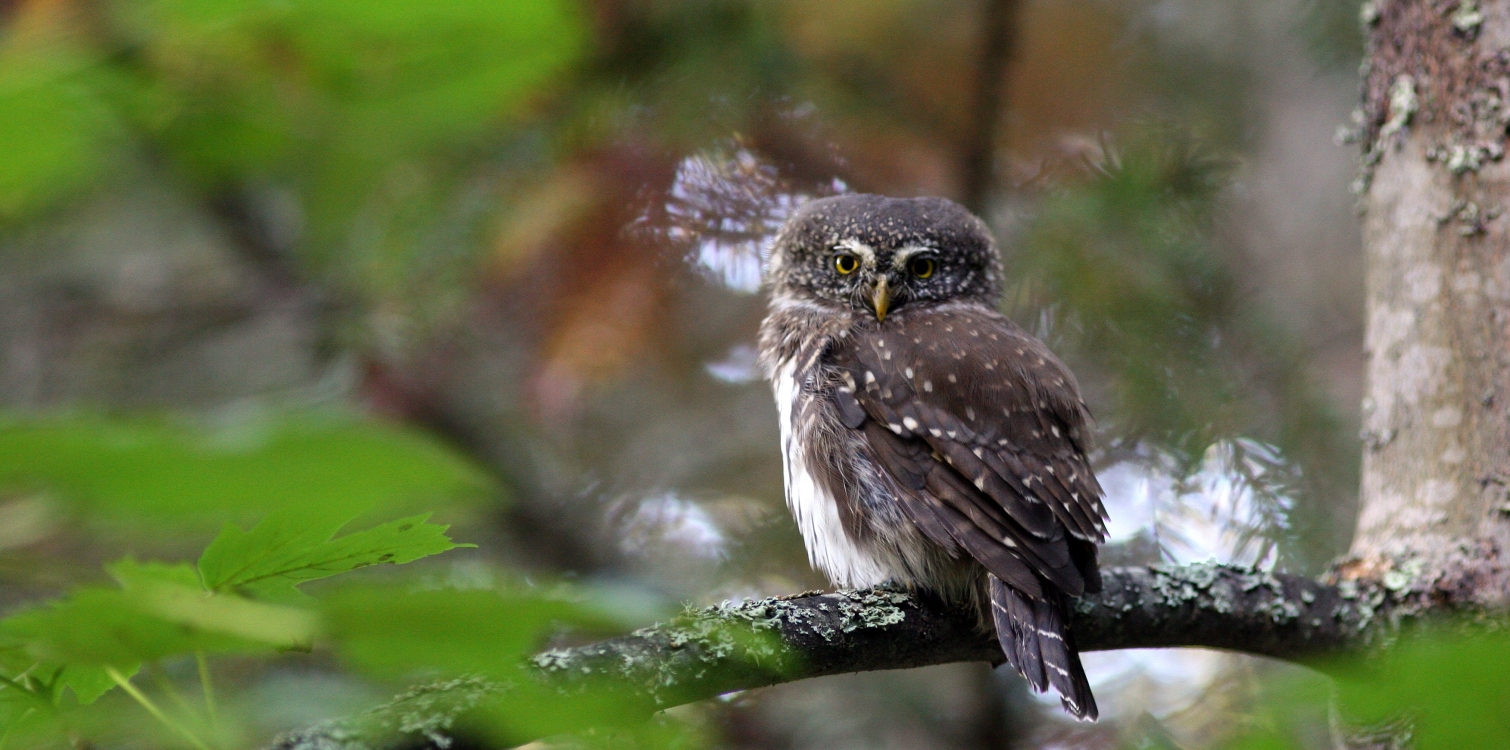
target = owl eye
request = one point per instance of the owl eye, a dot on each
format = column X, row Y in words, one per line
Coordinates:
column 846, row 263
column 922, row 267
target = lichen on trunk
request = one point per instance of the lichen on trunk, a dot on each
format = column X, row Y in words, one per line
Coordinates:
column 1436, row 427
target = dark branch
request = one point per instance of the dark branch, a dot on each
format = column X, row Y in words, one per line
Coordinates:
column 764, row 642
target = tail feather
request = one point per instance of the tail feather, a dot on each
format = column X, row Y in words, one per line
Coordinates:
column 1036, row 641
column 1013, row 615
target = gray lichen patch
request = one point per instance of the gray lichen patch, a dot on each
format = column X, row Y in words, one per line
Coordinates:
column 871, row 608
column 1402, row 108
column 426, row 711
column 1388, row 592
column 1469, row 216
column 1467, row 18
column 553, row 660
column 1368, row 15
column 1403, row 104
column 753, row 636
column 1428, row 73
column 1460, row 158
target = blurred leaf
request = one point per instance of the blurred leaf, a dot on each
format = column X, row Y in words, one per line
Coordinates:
column 1262, row 741
column 24, row 724
column 160, row 611
column 478, row 642
column 36, row 682
column 106, row 628
column 278, row 626
column 256, row 81
column 121, row 628
column 153, row 471
column 131, row 574
column 1444, row 688
column 391, row 633
column 58, row 129
column 370, row 113
column 47, row 681
column 1454, row 689
column 1128, row 255
column 287, row 549
column 468, row 636
column 88, row 683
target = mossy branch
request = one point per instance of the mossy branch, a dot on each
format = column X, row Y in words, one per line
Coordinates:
column 763, row 642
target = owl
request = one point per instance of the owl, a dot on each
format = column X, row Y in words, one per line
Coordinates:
column 927, row 441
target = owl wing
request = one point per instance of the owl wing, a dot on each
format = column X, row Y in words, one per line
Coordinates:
column 983, row 429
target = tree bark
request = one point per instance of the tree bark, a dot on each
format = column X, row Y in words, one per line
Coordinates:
column 1436, row 430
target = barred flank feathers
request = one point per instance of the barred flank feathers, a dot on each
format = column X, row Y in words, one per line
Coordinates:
column 1036, row 642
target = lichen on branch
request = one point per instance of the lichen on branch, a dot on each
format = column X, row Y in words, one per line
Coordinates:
column 751, row 644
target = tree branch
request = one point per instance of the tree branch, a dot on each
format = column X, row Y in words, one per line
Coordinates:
column 763, row 642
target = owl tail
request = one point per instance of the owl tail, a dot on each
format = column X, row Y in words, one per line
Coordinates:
column 1034, row 636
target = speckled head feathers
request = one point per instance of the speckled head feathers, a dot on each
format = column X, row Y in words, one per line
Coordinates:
column 885, row 235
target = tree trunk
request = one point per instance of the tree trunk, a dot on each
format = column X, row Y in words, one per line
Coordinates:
column 1433, row 509
column 1436, row 425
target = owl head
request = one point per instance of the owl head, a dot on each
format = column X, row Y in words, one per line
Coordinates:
column 876, row 254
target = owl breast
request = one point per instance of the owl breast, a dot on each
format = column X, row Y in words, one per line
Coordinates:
column 845, row 560
column 843, row 502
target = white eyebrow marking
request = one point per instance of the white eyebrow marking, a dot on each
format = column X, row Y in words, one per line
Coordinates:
column 902, row 255
column 866, row 252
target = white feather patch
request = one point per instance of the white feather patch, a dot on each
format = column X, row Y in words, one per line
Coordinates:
column 829, row 547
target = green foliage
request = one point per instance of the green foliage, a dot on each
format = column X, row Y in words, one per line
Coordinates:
column 287, row 549
column 60, row 662
column 392, row 633
column 369, row 114
column 1445, row 688
column 1453, row 689
column 252, row 84
column 96, row 638
column 1147, row 303
column 49, row 101
column 240, row 88
column 1129, row 254
column 157, row 472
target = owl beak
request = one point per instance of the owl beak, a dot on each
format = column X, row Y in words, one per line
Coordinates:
column 881, row 298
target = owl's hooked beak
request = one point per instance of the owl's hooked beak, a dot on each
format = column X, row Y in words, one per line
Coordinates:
column 880, row 298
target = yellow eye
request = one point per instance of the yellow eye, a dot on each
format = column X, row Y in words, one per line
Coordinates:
column 846, row 264
column 922, row 267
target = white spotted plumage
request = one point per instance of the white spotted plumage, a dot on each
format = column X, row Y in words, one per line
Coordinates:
column 829, row 548
column 888, row 382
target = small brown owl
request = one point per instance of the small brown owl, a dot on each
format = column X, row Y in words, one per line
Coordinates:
column 927, row 440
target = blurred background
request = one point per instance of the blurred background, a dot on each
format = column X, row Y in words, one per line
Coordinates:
column 500, row 260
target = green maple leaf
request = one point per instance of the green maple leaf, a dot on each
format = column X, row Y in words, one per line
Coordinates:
column 131, row 574
column 98, row 627
column 147, row 621
column 285, row 550
column 88, row 683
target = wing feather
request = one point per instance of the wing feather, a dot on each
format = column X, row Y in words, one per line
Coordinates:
column 986, row 431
